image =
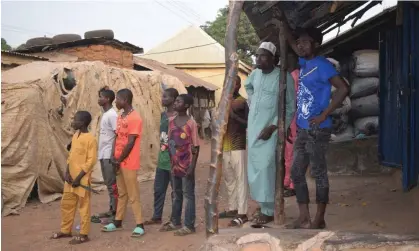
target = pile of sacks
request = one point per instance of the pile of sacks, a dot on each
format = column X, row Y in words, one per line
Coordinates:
column 364, row 92
column 358, row 115
column 340, row 117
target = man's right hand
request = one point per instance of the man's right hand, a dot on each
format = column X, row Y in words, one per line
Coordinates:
column 266, row 133
column 116, row 164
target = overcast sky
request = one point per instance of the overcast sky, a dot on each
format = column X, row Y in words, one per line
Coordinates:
column 145, row 23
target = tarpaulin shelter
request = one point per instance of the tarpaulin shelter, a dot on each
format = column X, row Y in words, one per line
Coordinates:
column 36, row 122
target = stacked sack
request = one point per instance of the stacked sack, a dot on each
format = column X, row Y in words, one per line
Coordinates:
column 342, row 129
column 364, row 92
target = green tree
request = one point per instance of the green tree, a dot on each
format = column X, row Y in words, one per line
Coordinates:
column 247, row 40
column 4, row 45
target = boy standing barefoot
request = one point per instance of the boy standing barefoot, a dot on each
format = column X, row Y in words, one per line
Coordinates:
column 314, row 124
column 126, row 159
column 183, row 150
column 82, row 158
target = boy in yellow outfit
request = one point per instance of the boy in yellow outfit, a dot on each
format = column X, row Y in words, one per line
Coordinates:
column 82, row 158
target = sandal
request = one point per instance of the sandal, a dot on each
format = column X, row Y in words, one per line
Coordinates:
column 104, row 215
column 264, row 219
column 60, row 235
column 288, row 192
column 137, row 232
column 256, row 214
column 79, row 240
column 153, row 222
column 169, row 226
column 228, row 214
column 238, row 221
column 95, row 219
column 111, row 228
column 184, row 231
column 105, row 221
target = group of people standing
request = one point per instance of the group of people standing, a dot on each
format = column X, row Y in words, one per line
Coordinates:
column 119, row 154
column 308, row 125
column 249, row 147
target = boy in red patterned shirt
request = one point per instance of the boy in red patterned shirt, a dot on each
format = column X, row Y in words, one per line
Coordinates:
column 183, row 150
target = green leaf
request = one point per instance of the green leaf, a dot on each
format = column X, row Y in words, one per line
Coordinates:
column 247, row 40
column 4, row 45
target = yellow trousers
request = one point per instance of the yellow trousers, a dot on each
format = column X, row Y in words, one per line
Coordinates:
column 128, row 190
column 68, row 212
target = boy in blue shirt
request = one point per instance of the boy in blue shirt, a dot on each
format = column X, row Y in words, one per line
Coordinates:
column 314, row 124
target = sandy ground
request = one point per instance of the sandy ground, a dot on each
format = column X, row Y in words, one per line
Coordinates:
column 365, row 204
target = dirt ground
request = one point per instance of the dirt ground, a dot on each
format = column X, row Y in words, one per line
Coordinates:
column 365, row 204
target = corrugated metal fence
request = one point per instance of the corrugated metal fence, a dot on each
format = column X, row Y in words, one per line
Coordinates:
column 399, row 96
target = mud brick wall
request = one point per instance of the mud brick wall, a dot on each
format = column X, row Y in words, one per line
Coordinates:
column 105, row 53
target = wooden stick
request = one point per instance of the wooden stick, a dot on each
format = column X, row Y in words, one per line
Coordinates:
column 279, row 216
column 219, row 124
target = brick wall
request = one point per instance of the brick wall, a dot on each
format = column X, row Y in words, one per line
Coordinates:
column 105, row 53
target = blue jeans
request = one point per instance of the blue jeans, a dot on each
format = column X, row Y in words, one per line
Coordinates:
column 161, row 182
column 184, row 187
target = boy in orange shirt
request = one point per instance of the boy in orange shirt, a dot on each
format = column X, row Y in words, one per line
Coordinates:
column 81, row 160
column 126, row 159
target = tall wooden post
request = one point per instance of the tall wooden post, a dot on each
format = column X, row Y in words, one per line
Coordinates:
column 279, row 216
column 219, row 124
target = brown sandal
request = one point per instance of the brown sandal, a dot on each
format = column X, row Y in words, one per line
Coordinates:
column 79, row 240
column 60, row 235
column 168, row 227
column 153, row 222
column 264, row 219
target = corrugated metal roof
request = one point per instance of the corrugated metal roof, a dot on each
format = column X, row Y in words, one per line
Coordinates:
column 13, row 53
column 89, row 41
column 185, row 78
column 321, row 14
column 190, row 46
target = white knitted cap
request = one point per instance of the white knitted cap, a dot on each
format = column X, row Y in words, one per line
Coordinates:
column 268, row 46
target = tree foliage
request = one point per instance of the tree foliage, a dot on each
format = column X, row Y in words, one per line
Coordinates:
column 247, row 40
column 4, row 45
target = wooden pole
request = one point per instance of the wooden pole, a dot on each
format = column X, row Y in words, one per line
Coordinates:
column 279, row 216
column 219, row 124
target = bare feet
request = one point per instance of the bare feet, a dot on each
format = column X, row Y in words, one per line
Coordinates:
column 318, row 224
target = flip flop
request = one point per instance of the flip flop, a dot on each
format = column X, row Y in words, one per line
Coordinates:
column 110, row 228
column 228, row 214
column 105, row 221
column 169, row 226
column 184, row 231
column 79, row 240
column 256, row 214
column 137, row 232
column 153, row 222
column 95, row 219
column 264, row 219
column 59, row 235
column 238, row 221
